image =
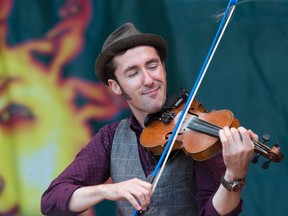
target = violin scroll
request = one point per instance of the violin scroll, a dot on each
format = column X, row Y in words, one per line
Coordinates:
column 271, row 154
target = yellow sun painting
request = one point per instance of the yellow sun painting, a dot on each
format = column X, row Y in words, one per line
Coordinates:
column 41, row 126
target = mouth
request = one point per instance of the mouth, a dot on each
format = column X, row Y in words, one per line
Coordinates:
column 14, row 114
column 151, row 91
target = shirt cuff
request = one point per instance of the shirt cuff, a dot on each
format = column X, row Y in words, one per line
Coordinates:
column 211, row 211
column 67, row 193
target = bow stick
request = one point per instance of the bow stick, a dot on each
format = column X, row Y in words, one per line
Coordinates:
column 169, row 146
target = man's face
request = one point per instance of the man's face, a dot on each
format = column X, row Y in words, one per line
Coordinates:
column 141, row 78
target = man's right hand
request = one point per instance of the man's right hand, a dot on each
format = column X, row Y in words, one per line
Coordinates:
column 136, row 191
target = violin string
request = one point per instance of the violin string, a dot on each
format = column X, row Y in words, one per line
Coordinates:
column 207, row 127
column 259, row 146
column 203, row 126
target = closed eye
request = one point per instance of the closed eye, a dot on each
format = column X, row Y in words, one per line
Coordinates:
column 132, row 73
column 152, row 66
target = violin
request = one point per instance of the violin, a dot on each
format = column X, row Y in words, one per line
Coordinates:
column 199, row 134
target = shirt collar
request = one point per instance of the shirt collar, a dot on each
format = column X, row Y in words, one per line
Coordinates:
column 134, row 124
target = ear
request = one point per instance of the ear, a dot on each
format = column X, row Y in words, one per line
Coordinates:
column 114, row 87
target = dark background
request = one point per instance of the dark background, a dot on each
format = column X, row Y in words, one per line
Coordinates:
column 248, row 74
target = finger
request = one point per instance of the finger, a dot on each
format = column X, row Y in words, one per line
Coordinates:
column 224, row 141
column 146, row 185
column 133, row 201
column 233, row 139
column 143, row 197
column 253, row 135
column 245, row 136
column 137, row 200
column 237, row 137
column 142, row 192
column 222, row 137
column 228, row 135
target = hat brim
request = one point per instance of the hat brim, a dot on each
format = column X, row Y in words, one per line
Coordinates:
column 126, row 43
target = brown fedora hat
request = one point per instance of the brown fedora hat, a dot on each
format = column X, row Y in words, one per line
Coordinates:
column 123, row 38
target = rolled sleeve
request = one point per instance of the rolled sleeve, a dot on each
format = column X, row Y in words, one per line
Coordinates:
column 208, row 175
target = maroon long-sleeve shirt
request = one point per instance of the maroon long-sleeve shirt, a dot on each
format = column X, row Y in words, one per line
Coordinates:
column 92, row 167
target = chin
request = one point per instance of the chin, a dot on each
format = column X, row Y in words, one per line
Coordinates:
column 156, row 108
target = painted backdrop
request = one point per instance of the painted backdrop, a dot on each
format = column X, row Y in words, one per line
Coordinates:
column 51, row 103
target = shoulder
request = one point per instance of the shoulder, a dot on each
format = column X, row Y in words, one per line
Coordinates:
column 101, row 142
column 106, row 133
column 109, row 128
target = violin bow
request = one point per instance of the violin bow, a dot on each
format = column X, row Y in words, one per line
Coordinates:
column 169, row 146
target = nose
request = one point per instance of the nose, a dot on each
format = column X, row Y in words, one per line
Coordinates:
column 148, row 79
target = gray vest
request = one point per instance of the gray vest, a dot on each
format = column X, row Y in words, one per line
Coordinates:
column 174, row 194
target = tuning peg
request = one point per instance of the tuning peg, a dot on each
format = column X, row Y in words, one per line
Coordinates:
column 265, row 165
column 255, row 158
column 277, row 144
column 265, row 138
column 168, row 117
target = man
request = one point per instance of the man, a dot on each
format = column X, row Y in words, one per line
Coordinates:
column 132, row 64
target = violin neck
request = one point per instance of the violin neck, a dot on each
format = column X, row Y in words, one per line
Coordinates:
column 202, row 126
column 205, row 127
